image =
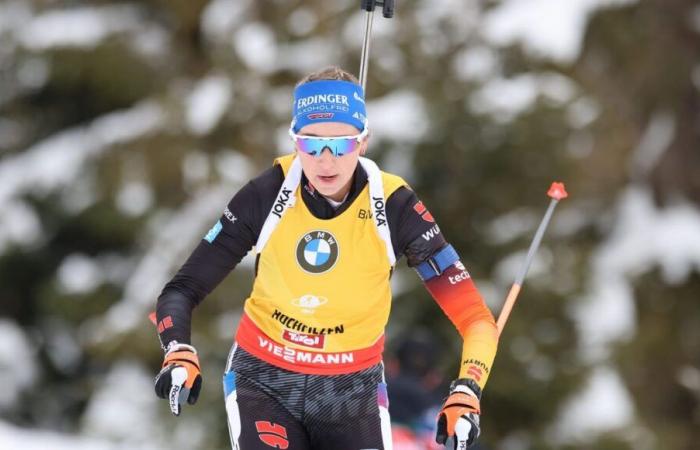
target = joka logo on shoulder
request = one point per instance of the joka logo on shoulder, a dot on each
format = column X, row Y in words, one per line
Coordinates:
column 317, row 251
column 309, row 303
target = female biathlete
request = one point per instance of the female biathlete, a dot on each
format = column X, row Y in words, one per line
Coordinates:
column 305, row 371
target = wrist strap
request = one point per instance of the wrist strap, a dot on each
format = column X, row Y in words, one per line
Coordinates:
column 175, row 346
column 467, row 386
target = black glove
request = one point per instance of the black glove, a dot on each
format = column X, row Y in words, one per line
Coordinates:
column 180, row 379
column 459, row 416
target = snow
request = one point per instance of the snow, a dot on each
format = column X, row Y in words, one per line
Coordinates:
column 306, row 56
column 221, row 17
column 302, row 21
column 82, row 27
column 14, row 15
column 115, row 419
column 105, row 413
column 207, row 103
column 58, row 160
column 511, row 225
column 171, row 237
column 475, row 64
column 18, row 368
column 79, row 274
column 19, row 224
column 33, row 73
column 255, row 44
column 505, row 98
column 398, row 116
column 643, row 237
column 546, row 28
column 656, row 139
column 582, row 112
column 603, row 405
column 195, row 169
column 61, row 345
column 14, row 437
column 135, row 198
column 671, row 238
column 233, row 167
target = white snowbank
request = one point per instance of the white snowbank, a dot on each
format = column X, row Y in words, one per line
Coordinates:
column 14, row 437
column 124, row 409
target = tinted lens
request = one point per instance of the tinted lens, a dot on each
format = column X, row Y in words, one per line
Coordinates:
column 338, row 147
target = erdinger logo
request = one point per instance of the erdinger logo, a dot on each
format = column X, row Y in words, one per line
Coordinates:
column 317, row 252
column 309, row 303
column 306, row 340
column 322, row 98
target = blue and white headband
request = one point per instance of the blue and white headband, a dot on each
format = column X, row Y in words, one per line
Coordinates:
column 329, row 101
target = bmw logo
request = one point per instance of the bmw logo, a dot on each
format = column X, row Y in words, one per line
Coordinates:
column 317, row 251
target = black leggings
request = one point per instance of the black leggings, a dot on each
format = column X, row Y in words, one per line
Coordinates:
column 269, row 407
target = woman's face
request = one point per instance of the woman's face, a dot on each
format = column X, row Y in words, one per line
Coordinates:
column 331, row 175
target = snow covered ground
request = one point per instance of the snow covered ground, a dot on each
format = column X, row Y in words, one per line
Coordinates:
column 548, row 29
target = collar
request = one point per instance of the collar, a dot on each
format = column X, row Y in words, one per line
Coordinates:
column 319, row 206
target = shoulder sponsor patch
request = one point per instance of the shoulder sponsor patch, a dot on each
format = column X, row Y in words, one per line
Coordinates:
column 423, row 212
column 431, row 233
column 214, row 232
column 229, row 215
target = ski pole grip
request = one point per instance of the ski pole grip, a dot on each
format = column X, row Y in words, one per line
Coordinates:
column 388, row 9
column 367, row 5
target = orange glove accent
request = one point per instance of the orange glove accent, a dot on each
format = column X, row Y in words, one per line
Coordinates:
column 186, row 359
column 457, row 405
column 180, row 378
column 459, row 416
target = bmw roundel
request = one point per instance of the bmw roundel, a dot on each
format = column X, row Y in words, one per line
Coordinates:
column 317, row 251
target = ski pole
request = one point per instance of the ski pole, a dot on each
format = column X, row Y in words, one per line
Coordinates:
column 368, row 7
column 556, row 192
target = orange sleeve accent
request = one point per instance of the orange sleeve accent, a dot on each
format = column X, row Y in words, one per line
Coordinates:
column 457, row 295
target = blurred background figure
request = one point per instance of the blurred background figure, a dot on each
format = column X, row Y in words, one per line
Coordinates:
column 417, row 389
column 125, row 125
